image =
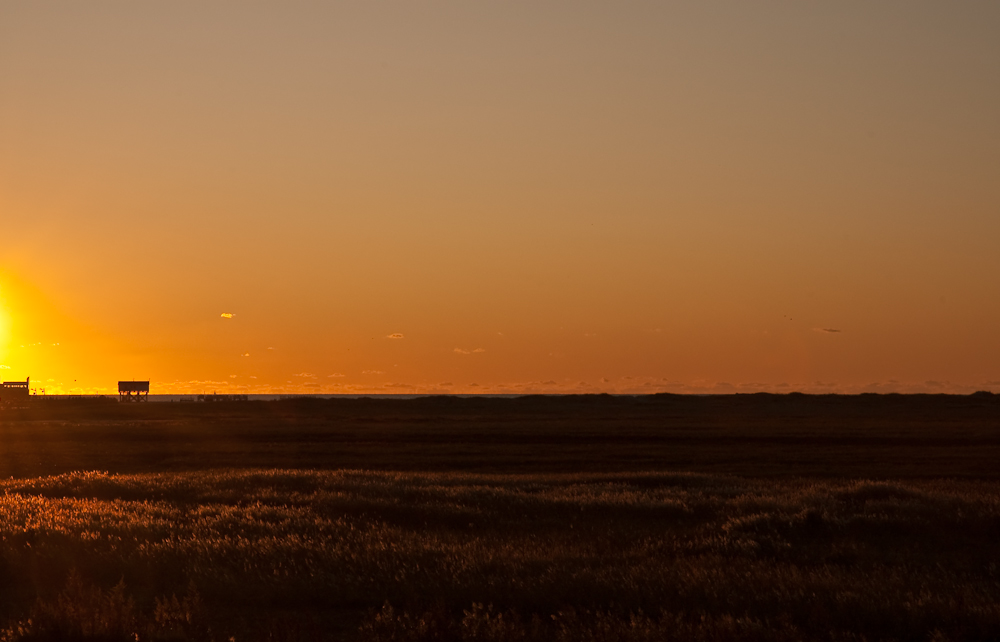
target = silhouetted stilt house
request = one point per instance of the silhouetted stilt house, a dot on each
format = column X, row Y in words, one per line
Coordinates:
column 14, row 393
column 133, row 390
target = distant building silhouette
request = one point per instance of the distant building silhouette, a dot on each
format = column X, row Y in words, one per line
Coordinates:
column 14, row 393
column 133, row 390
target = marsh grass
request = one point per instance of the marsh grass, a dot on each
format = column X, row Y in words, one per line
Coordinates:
column 282, row 554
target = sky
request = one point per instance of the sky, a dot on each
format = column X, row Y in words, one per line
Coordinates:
column 500, row 197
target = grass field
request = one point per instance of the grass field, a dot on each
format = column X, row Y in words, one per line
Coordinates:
column 582, row 519
column 866, row 436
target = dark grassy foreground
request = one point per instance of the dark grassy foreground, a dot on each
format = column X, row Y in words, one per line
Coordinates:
column 866, row 436
column 834, row 519
column 277, row 554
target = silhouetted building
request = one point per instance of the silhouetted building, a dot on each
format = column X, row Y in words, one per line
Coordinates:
column 133, row 390
column 14, row 393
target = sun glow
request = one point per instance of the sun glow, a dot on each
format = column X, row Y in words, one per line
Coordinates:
column 4, row 333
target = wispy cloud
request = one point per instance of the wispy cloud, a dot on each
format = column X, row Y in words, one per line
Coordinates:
column 476, row 351
column 303, row 374
column 372, row 372
column 394, row 335
column 335, row 374
column 246, row 354
column 4, row 367
column 228, row 315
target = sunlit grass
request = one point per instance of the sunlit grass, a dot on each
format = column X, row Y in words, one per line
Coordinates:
column 519, row 557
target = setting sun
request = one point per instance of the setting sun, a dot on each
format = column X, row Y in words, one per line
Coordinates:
column 652, row 198
column 4, row 335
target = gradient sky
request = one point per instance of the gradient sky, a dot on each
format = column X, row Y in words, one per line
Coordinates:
column 500, row 196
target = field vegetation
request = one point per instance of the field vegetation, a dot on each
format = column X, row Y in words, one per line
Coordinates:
column 281, row 554
column 861, row 437
column 591, row 518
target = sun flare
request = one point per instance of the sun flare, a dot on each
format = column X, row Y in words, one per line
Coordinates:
column 4, row 333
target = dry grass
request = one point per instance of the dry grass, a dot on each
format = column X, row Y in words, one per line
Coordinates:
column 261, row 554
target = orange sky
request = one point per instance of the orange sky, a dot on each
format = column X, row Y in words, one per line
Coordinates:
column 536, row 196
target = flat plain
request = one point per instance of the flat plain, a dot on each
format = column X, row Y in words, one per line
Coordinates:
column 749, row 517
